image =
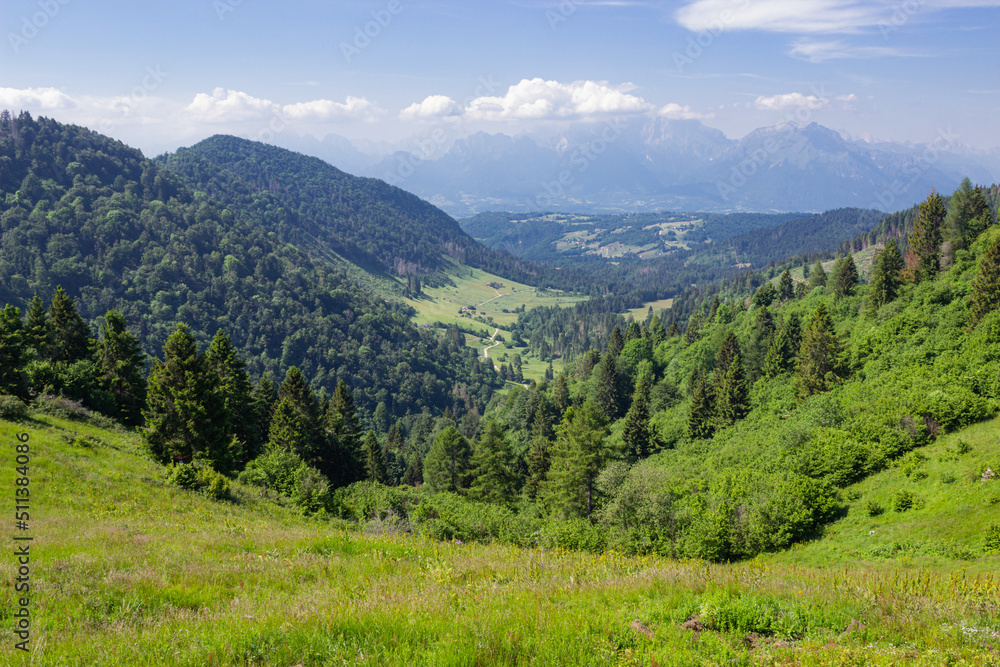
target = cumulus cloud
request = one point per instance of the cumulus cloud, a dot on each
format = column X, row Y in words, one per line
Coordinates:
column 35, row 99
column 789, row 101
column 235, row 106
column 435, row 106
column 537, row 99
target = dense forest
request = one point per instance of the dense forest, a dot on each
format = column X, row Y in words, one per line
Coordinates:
column 723, row 427
column 86, row 213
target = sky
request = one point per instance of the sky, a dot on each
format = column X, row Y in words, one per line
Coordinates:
column 160, row 74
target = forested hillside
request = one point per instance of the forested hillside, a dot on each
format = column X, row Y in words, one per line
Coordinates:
column 117, row 232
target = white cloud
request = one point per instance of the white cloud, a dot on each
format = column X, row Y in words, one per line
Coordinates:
column 818, row 51
column 788, row 101
column 35, row 99
column 434, row 106
column 808, row 16
column 537, row 99
column 233, row 106
column 674, row 110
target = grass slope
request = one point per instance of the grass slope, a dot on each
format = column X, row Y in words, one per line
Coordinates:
column 129, row 570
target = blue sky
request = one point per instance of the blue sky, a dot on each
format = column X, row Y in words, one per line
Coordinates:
column 160, row 74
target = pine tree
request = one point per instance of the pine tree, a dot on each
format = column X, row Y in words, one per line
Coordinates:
column 985, row 296
column 38, row 330
column 817, row 276
column 846, row 277
column 446, row 467
column 925, row 238
column 237, row 392
column 494, row 478
column 578, row 455
column 820, row 363
column 786, row 286
column 375, row 466
column 636, row 435
column 185, row 411
column 121, row 369
column 887, row 276
column 70, row 334
column 13, row 352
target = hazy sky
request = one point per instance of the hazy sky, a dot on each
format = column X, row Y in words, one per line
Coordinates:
column 160, row 74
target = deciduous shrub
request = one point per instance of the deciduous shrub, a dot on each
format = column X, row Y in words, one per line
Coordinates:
column 12, row 408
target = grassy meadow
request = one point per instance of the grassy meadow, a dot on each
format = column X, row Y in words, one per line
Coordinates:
column 127, row 569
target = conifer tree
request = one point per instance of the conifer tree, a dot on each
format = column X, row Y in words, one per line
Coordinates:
column 786, row 286
column 560, row 392
column 632, row 331
column 414, row 474
column 538, row 452
column 820, row 364
column 980, row 216
column 615, row 343
column 925, row 238
column 288, row 432
column 607, row 390
column 121, row 369
column 13, row 352
column 780, row 356
column 380, row 418
column 185, row 411
column 265, row 399
column 304, row 431
column 637, row 435
column 446, row 467
column 693, row 330
column 730, row 385
column 375, row 466
column 342, row 460
column 887, row 276
column 985, row 296
column 846, row 277
column 237, row 393
column 701, row 419
column 577, row 457
column 38, row 329
column 817, row 276
column 70, row 334
column 494, row 477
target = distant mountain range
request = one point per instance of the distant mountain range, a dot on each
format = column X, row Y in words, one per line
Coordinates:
column 665, row 164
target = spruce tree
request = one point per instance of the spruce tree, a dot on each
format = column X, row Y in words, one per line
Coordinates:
column 342, row 460
column 185, row 411
column 985, row 296
column 13, row 352
column 299, row 397
column 636, row 434
column 70, row 334
column 615, row 343
column 538, row 452
column 607, row 389
column 730, row 385
column 701, row 419
column 980, row 215
column 887, row 276
column 288, row 431
column 38, row 330
column 786, row 286
column 447, row 465
column 820, row 363
column 578, row 455
column 265, row 399
column 817, row 276
column 237, row 392
column 926, row 236
column 375, row 466
column 494, row 477
column 121, row 368
column 846, row 277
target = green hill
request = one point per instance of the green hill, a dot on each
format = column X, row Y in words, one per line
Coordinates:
column 126, row 568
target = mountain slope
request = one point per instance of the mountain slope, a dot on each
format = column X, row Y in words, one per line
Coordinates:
column 116, row 231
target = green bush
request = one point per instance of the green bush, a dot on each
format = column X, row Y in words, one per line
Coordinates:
column 201, row 478
column 991, row 539
column 184, row 475
column 577, row 534
column 12, row 408
column 873, row 508
column 904, row 500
